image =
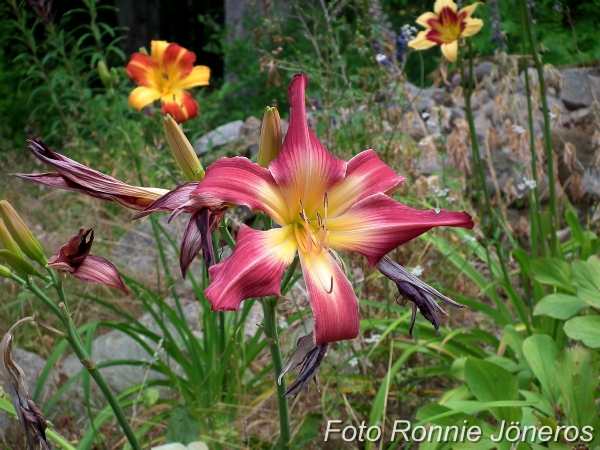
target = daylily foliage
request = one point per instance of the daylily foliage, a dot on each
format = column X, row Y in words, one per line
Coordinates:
column 166, row 74
column 445, row 26
column 321, row 205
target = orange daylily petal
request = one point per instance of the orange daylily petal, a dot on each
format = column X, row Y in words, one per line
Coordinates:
column 441, row 4
column 425, row 17
column 142, row 96
column 157, row 50
column 180, row 104
column 332, row 298
column 472, row 27
column 199, row 76
column 421, row 42
column 141, row 69
column 450, row 51
column 178, row 63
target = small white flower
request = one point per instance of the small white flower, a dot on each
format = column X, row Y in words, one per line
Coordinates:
column 450, row 199
column 423, row 142
column 380, row 57
column 283, row 324
column 417, row 271
column 373, row 339
column 531, row 184
column 552, row 115
column 353, row 362
column 518, row 129
column 425, row 115
column 520, row 186
column 442, row 192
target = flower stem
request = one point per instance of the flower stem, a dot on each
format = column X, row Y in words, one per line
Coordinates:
column 273, row 342
column 79, row 349
column 547, row 135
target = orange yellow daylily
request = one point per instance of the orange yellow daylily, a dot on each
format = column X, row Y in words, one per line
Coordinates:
column 445, row 26
column 166, row 74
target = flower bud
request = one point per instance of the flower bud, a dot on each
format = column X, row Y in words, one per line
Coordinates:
column 114, row 76
column 270, row 137
column 104, row 74
column 5, row 272
column 6, row 240
column 18, row 263
column 21, row 234
column 183, row 151
column 143, row 51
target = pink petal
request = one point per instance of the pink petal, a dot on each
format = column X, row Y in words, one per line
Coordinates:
column 332, row 298
column 197, row 236
column 98, row 270
column 304, row 170
column 378, row 224
column 170, row 201
column 366, row 175
column 238, row 180
column 254, row 269
column 55, row 180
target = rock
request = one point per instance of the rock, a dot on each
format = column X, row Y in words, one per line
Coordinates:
column 218, row 137
column 136, row 253
column 579, row 88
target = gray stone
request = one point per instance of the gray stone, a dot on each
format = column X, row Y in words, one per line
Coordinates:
column 579, row 88
column 218, row 137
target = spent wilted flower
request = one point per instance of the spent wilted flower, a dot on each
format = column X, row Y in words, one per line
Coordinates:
column 418, row 292
column 321, row 205
column 166, row 74
column 74, row 258
column 73, row 176
column 310, row 356
column 15, row 384
column 445, row 26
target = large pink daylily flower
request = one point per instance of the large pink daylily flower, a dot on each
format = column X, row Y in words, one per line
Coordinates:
column 321, row 204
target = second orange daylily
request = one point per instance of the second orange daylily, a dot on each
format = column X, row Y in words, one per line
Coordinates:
column 445, row 26
column 166, row 74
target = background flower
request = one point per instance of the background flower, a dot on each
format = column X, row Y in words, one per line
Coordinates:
column 166, row 74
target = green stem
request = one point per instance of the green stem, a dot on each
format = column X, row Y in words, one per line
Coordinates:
column 479, row 169
column 79, row 349
column 547, row 136
column 273, row 342
column 536, row 225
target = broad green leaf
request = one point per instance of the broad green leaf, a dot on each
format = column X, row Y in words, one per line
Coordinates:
column 584, row 328
column 586, row 276
column 489, row 383
column 514, row 340
column 540, row 402
column 540, row 350
column 182, row 428
column 559, row 306
column 553, row 271
column 577, row 384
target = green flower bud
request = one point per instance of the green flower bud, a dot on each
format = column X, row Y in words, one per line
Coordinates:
column 18, row 264
column 104, row 74
column 6, row 240
column 5, row 272
column 143, row 51
column 21, row 234
column 270, row 137
column 183, row 151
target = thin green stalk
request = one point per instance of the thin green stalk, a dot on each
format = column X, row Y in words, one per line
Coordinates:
column 79, row 349
column 547, row 136
column 534, row 200
column 275, row 349
column 479, row 169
